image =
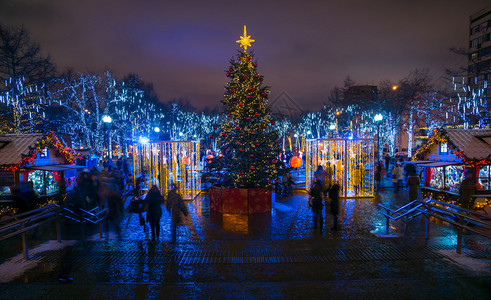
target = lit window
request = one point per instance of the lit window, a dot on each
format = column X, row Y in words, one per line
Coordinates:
column 443, row 148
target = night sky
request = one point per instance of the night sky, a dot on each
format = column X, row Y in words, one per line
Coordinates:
column 303, row 48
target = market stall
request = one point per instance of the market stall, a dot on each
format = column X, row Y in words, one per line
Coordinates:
column 41, row 159
column 451, row 155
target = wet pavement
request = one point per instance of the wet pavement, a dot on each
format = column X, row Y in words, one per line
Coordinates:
column 273, row 255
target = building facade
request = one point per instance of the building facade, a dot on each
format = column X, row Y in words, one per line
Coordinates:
column 479, row 67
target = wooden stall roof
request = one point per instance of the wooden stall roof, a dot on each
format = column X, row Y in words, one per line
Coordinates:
column 13, row 146
column 474, row 143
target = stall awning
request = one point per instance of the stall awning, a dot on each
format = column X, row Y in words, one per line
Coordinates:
column 55, row 168
column 420, row 162
column 441, row 164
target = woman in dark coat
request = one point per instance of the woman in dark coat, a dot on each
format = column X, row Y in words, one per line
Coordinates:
column 175, row 206
column 153, row 200
column 334, row 195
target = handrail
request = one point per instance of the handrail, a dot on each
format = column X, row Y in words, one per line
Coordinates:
column 22, row 223
column 401, row 213
column 459, row 217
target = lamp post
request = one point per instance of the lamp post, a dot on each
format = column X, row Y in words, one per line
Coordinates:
column 332, row 127
column 107, row 119
column 378, row 118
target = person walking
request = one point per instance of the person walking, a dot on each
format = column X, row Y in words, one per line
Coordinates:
column 395, row 179
column 387, row 162
column 175, row 206
column 320, row 176
column 357, row 179
column 413, row 186
column 400, row 175
column 378, row 175
column 153, row 201
column 316, row 200
column 334, row 196
column 466, row 190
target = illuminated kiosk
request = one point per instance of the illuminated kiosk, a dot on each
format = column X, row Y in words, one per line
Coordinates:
column 352, row 162
column 168, row 162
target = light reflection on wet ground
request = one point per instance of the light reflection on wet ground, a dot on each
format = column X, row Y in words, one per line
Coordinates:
column 205, row 261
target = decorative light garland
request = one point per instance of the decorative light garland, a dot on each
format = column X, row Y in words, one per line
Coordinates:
column 50, row 139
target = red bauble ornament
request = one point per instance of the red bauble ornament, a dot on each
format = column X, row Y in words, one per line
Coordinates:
column 273, row 161
column 214, row 128
column 253, row 132
column 252, row 168
column 238, row 127
column 248, row 118
column 255, row 65
column 269, row 181
column 260, row 79
column 211, row 136
column 231, row 70
column 246, row 76
column 239, row 58
column 248, row 96
column 241, row 133
column 257, row 144
column 224, row 103
column 252, row 155
column 251, row 88
column 272, row 123
column 241, row 173
column 263, row 94
column 232, row 91
column 249, row 58
column 257, row 75
column 241, row 150
column 256, row 114
column 223, row 133
column 241, row 104
column 228, row 74
column 229, row 115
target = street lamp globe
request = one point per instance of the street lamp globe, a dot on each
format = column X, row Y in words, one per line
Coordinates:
column 107, row 119
column 332, row 127
column 156, row 129
column 378, row 117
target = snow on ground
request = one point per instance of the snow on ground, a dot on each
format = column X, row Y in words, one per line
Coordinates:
column 466, row 262
column 16, row 266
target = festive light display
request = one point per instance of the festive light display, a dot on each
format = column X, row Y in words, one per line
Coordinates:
column 169, row 162
column 247, row 139
column 350, row 160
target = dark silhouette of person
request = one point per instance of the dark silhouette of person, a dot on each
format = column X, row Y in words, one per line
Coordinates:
column 175, row 206
column 154, row 201
column 334, row 195
column 316, row 193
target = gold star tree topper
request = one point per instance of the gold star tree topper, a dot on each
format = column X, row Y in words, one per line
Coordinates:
column 245, row 40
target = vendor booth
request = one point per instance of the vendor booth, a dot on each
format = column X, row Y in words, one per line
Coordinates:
column 351, row 161
column 447, row 158
column 165, row 163
column 41, row 159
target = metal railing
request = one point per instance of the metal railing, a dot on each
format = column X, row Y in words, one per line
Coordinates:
column 405, row 213
column 462, row 219
column 93, row 216
column 21, row 224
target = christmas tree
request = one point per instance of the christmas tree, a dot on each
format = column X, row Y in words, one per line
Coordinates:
column 247, row 140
